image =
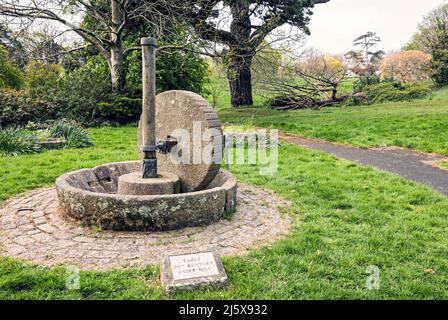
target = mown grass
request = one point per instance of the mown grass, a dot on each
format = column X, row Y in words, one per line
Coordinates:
column 35, row 170
column 346, row 217
column 419, row 124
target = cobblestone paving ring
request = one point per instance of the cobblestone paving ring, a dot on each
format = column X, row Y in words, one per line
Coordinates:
column 31, row 228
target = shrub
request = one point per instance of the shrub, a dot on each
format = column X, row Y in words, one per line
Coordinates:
column 19, row 107
column 14, row 142
column 42, row 78
column 366, row 80
column 175, row 71
column 10, row 74
column 83, row 88
column 120, row 109
column 74, row 135
column 396, row 91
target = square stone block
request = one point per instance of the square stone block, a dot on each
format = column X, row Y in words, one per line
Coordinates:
column 187, row 271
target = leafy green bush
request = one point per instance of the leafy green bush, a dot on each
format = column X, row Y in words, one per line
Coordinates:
column 42, row 78
column 17, row 108
column 74, row 135
column 396, row 91
column 175, row 71
column 10, row 74
column 14, row 141
column 120, row 109
column 82, row 89
column 368, row 79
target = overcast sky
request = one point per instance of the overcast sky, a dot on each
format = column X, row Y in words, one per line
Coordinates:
column 335, row 24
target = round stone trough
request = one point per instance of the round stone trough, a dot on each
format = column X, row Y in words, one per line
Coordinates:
column 90, row 196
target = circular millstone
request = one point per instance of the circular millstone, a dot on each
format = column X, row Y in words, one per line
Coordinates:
column 189, row 118
column 133, row 184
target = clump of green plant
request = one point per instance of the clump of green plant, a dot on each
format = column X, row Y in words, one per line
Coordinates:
column 396, row 91
column 14, row 142
column 390, row 91
column 43, row 135
column 74, row 135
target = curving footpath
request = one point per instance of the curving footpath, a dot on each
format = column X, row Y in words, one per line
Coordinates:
column 412, row 165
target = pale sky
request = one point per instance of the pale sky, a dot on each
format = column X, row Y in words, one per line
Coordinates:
column 337, row 23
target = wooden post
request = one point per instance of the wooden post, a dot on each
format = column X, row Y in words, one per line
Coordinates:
column 149, row 165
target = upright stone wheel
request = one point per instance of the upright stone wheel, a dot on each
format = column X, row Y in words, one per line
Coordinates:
column 189, row 118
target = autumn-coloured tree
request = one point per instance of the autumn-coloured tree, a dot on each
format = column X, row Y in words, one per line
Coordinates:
column 411, row 65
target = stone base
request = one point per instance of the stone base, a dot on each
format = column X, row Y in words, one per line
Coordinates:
column 134, row 184
column 91, row 196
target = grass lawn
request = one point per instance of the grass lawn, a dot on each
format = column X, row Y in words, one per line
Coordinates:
column 419, row 124
column 346, row 218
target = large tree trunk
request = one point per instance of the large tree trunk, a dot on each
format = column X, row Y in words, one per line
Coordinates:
column 240, row 80
column 116, row 69
column 116, row 50
column 239, row 69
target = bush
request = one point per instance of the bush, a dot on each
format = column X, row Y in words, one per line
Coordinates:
column 10, row 74
column 14, row 142
column 74, row 135
column 175, row 71
column 19, row 107
column 83, row 88
column 366, row 80
column 42, row 78
column 395, row 91
column 121, row 109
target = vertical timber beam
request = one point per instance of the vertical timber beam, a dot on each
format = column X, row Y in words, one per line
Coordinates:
column 149, row 165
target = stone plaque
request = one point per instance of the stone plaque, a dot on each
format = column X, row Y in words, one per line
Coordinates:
column 189, row 118
column 191, row 270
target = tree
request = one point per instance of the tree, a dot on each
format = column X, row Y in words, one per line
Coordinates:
column 406, row 66
column 42, row 78
column 439, row 64
column 266, row 62
column 14, row 47
column 10, row 74
column 432, row 38
column 41, row 45
column 312, row 82
column 113, row 18
column 430, row 30
column 366, row 59
column 250, row 22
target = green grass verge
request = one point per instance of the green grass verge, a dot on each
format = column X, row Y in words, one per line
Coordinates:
column 347, row 218
column 419, row 124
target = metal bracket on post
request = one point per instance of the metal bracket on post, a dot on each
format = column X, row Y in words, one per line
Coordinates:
column 165, row 146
